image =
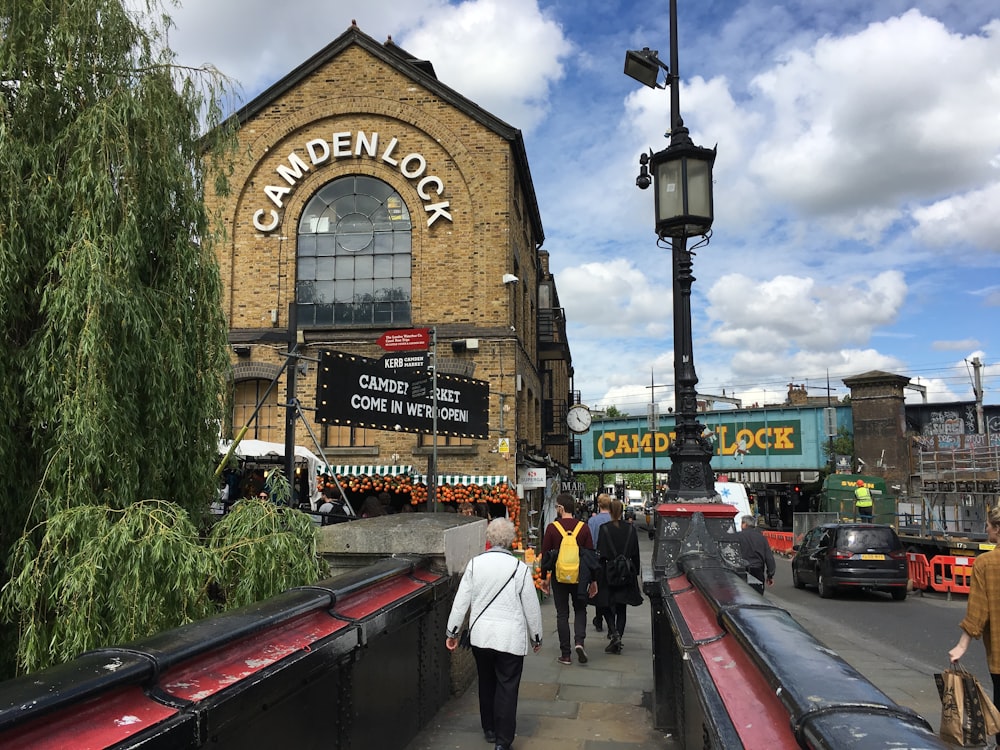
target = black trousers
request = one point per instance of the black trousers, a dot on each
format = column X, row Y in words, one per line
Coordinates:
column 620, row 611
column 499, row 680
column 562, row 595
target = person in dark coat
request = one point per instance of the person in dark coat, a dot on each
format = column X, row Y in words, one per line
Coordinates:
column 756, row 553
column 618, row 538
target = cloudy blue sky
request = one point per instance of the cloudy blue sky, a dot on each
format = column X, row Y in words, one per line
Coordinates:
column 857, row 180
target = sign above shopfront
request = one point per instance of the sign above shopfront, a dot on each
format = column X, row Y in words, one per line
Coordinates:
column 359, row 392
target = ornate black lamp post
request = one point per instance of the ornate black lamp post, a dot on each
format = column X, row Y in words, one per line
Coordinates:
column 682, row 180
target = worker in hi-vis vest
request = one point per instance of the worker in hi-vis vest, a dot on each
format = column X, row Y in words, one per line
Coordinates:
column 863, row 502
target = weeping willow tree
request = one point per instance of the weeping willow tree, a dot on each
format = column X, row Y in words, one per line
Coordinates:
column 114, row 362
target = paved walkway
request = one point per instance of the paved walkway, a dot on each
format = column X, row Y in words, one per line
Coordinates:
column 605, row 704
column 601, row 705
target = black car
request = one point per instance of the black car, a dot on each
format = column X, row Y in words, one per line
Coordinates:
column 851, row 555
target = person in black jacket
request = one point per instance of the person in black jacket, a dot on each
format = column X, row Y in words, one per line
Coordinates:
column 756, row 553
column 618, row 538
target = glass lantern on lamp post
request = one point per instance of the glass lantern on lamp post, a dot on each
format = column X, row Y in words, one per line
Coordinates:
column 683, row 199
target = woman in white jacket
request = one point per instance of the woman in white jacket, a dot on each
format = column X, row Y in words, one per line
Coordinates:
column 498, row 593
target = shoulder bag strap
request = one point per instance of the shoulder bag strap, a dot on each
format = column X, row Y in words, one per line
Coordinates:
column 513, row 572
column 611, row 541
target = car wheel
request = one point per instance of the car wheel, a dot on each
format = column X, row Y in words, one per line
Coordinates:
column 796, row 581
column 824, row 587
column 899, row 593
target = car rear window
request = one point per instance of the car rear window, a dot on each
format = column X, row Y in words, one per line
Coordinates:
column 865, row 540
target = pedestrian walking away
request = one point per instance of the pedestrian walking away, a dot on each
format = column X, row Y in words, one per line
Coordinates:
column 596, row 521
column 566, row 530
column 756, row 554
column 982, row 611
column 618, row 549
column 497, row 593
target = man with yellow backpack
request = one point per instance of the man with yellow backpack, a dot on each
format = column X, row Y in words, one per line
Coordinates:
column 561, row 545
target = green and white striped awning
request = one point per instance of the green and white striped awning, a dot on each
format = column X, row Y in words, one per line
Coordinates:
column 483, row 480
column 355, row 470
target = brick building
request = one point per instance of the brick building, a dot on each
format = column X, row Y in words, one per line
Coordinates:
column 367, row 196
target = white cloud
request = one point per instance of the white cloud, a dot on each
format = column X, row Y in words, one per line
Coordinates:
column 770, row 317
column 954, row 346
column 504, row 55
column 938, row 391
column 891, row 114
column 615, row 299
column 971, row 217
column 510, row 74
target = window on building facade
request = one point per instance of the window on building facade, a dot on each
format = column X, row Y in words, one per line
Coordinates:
column 353, row 256
column 269, row 423
column 426, row 441
column 347, row 436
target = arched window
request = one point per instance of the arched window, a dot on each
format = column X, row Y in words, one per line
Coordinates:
column 353, row 256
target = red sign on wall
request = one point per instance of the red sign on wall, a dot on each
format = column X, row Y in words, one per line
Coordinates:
column 405, row 339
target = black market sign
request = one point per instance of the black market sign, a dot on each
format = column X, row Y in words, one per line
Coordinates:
column 358, row 391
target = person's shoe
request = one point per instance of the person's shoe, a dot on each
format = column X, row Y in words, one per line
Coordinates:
column 564, row 660
column 490, row 736
column 598, row 625
column 581, row 655
column 612, row 647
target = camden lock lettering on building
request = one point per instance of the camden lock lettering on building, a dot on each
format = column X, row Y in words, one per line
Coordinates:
column 727, row 439
column 353, row 390
column 348, row 145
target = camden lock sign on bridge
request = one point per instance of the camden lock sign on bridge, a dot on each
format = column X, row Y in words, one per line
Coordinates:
column 353, row 390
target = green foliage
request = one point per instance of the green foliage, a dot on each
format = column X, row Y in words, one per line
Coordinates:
column 843, row 444
column 614, row 412
column 102, row 576
column 589, row 483
column 114, row 357
column 261, row 551
column 114, row 341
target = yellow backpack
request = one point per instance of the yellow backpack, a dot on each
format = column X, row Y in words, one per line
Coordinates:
column 568, row 561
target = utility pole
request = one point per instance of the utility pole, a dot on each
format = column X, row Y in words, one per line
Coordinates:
column 291, row 408
column 977, row 391
column 830, row 422
column 654, row 427
column 432, row 475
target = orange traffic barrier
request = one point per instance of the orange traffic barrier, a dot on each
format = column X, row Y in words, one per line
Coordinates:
column 951, row 574
column 919, row 569
column 780, row 541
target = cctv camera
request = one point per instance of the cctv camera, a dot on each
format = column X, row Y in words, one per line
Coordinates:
column 509, row 278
